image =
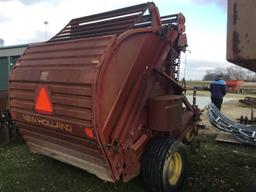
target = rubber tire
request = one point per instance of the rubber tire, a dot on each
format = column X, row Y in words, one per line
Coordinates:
column 154, row 161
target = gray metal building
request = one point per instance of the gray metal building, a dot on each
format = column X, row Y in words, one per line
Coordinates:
column 8, row 57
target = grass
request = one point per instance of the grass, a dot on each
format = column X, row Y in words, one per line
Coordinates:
column 207, row 94
column 218, row 167
column 222, row 167
column 198, row 83
column 22, row 171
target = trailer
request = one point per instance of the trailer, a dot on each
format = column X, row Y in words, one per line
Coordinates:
column 103, row 95
column 234, row 85
column 241, row 30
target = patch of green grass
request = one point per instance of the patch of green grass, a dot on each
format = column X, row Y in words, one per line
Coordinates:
column 198, row 83
column 248, row 85
column 230, row 95
column 221, row 167
column 22, row 171
column 218, row 167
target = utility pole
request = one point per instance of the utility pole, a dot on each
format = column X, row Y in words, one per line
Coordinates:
column 185, row 64
column 46, row 23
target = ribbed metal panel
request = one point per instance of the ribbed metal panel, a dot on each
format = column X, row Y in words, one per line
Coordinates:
column 71, row 69
column 72, row 107
column 85, row 52
column 83, row 153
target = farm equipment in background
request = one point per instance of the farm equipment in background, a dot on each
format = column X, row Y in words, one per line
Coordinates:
column 234, row 85
column 248, row 101
column 8, row 129
column 103, row 95
column 241, row 33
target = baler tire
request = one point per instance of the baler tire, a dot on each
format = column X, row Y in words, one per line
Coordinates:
column 156, row 169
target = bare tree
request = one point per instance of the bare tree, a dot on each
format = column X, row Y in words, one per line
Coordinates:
column 236, row 73
column 212, row 74
column 232, row 72
column 209, row 76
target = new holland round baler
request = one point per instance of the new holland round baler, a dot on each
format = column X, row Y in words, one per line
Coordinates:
column 102, row 95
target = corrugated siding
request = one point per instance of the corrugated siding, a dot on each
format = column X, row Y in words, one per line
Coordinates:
column 72, row 67
column 6, row 63
column 12, row 51
column 4, row 71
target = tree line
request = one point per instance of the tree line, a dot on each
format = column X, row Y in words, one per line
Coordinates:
column 230, row 73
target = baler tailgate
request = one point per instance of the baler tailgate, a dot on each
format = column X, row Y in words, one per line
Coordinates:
column 67, row 72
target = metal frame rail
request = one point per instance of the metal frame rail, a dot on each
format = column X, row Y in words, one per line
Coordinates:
column 245, row 134
column 114, row 22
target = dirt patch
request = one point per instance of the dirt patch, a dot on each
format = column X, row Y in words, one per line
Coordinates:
column 234, row 109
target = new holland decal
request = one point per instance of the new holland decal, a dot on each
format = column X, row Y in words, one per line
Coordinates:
column 48, row 123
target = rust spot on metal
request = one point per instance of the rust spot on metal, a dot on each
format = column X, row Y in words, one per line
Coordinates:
column 235, row 42
column 235, row 14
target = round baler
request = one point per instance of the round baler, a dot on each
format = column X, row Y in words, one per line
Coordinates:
column 103, row 95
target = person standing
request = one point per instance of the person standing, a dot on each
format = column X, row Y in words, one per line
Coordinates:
column 218, row 90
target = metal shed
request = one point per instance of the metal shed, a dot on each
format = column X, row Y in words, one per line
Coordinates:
column 8, row 57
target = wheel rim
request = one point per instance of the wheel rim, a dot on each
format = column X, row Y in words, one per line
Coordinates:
column 175, row 168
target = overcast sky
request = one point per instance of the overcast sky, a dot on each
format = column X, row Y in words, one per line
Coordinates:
column 22, row 21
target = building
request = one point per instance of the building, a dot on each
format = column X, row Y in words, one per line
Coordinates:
column 8, row 57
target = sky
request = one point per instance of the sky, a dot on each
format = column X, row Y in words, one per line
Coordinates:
column 22, row 22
